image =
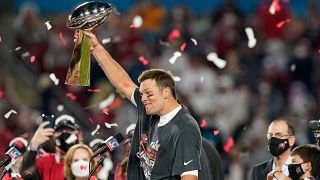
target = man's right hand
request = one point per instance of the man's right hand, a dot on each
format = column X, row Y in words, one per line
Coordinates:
column 41, row 135
column 93, row 39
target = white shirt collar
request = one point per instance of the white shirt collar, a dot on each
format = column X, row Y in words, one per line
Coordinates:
column 167, row 117
column 284, row 167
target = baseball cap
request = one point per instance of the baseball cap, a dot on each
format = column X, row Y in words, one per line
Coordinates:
column 65, row 121
column 130, row 132
column 95, row 144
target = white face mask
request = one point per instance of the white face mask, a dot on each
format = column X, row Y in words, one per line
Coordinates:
column 80, row 168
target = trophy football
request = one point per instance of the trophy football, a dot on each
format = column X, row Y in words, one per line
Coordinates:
column 86, row 16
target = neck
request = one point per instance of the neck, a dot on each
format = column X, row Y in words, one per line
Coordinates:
column 170, row 105
column 281, row 159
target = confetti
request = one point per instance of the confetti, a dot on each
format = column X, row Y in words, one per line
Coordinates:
column 106, row 40
column 175, row 56
column 143, row 60
column 53, row 77
column 1, row 94
column 107, row 102
column 62, row 39
column 274, row 7
column 213, row 57
column 282, row 23
column 32, row 59
column 175, row 33
column 71, row 96
column 72, row 138
column 48, row 25
column 183, row 46
column 106, row 111
column 8, row 114
column 110, row 125
column 17, row 48
column 0, row 39
column 216, row 132
column 227, row 147
column 137, row 22
column 94, row 90
column 201, row 79
column 132, row 26
column 60, row 107
column 115, row 103
column 203, row 123
column 176, row 78
column 25, row 54
column 292, row 67
column 96, row 130
column 194, row 41
column 252, row 41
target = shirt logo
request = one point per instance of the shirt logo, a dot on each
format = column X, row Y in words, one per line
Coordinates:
column 186, row 163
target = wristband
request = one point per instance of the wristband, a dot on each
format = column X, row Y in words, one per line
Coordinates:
column 31, row 147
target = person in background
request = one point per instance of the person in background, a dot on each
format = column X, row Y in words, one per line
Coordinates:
column 121, row 169
column 104, row 170
column 305, row 164
column 76, row 163
column 21, row 145
column 280, row 139
column 49, row 166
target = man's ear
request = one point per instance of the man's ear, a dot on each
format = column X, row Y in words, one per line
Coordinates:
column 166, row 92
column 308, row 167
column 292, row 140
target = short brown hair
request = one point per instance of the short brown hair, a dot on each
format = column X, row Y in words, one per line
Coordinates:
column 309, row 153
column 163, row 79
column 69, row 156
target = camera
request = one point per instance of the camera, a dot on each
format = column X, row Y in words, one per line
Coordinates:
column 314, row 125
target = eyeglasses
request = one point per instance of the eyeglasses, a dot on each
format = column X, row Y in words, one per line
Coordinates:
column 277, row 135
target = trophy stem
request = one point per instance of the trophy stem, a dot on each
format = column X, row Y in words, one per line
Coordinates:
column 79, row 68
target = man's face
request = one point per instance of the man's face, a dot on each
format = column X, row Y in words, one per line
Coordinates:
column 279, row 130
column 152, row 97
column 64, row 130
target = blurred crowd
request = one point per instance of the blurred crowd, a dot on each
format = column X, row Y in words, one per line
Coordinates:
column 275, row 78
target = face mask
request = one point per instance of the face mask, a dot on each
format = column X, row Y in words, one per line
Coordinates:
column 80, row 168
column 66, row 140
column 295, row 171
column 277, row 146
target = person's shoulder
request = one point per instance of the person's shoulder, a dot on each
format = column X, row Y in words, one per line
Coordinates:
column 262, row 164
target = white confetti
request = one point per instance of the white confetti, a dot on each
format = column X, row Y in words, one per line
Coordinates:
column 137, row 21
column 60, row 107
column 176, row 78
column 272, row 8
column 106, row 40
column 107, row 101
column 54, row 79
column 96, row 130
column 48, row 25
column 252, row 41
column 201, row 79
column 194, row 41
column 110, row 125
column 292, row 67
column 72, row 138
column 213, row 57
column 8, row 114
column 26, row 54
column 175, row 56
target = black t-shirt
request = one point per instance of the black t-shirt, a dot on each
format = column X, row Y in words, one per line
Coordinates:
column 163, row 152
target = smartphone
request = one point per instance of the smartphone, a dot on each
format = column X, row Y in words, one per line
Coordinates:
column 50, row 119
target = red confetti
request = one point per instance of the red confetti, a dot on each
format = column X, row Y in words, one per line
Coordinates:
column 1, row 94
column 0, row 39
column 183, row 46
column 282, row 23
column 71, row 96
column 32, row 59
column 27, row 172
column 203, row 123
column 62, row 39
column 175, row 33
column 143, row 60
column 227, row 147
column 94, row 90
column 106, row 111
column 216, row 132
column 132, row 26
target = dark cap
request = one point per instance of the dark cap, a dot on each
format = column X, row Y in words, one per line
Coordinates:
column 65, row 121
column 130, row 132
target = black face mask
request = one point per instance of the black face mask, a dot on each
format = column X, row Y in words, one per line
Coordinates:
column 277, row 146
column 295, row 171
column 61, row 142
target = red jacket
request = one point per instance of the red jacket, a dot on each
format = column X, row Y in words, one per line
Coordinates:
column 49, row 168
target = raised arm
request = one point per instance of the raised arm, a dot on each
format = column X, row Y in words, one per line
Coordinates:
column 118, row 77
